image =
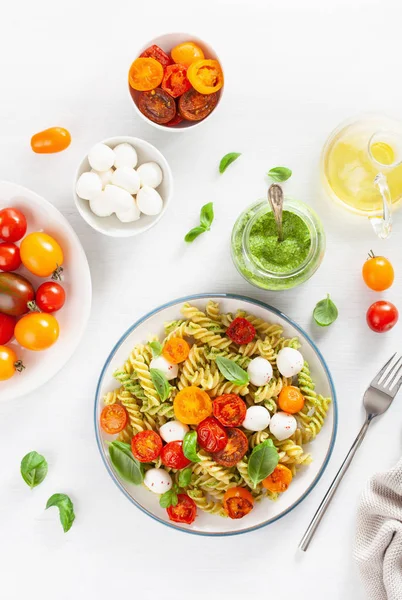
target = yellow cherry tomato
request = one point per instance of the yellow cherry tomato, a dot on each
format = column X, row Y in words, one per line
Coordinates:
column 192, row 405
column 187, row 53
column 42, row 255
column 206, row 76
column 9, row 363
column 176, row 350
column 37, row 331
column 51, row 140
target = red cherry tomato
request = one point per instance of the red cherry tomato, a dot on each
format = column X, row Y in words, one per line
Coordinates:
column 50, row 297
column 172, row 456
column 9, row 256
column 211, row 435
column 382, row 316
column 146, row 446
column 175, row 121
column 175, row 80
column 230, row 410
column 234, row 450
column 7, row 325
column 185, row 510
column 158, row 54
column 13, row 224
column 113, row 418
column 241, row 331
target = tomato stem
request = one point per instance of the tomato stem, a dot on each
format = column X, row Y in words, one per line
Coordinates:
column 371, row 254
column 33, row 307
column 19, row 366
column 57, row 273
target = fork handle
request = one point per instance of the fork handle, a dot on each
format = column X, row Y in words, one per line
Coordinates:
column 308, row 536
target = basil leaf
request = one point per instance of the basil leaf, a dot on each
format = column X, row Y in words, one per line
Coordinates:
column 126, row 465
column 194, row 233
column 262, row 461
column 227, row 160
column 156, row 348
column 169, row 498
column 325, row 312
column 231, row 371
column 279, row 174
column 33, row 469
column 185, row 477
column 66, row 509
column 190, row 446
column 161, row 383
column 207, row 215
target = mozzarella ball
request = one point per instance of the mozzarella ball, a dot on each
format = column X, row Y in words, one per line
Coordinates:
column 289, row 362
column 119, row 199
column 257, row 418
column 282, row 425
column 149, row 201
column 101, row 157
column 158, row 481
column 104, row 176
column 130, row 215
column 170, row 371
column 126, row 178
column 125, row 156
column 88, row 186
column 259, row 371
column 173, row 431
column 100, row 205
column 150, row 174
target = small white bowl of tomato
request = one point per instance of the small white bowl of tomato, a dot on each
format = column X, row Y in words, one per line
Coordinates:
column 176, row 82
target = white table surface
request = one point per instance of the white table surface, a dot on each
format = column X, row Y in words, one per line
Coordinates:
column 294, row 70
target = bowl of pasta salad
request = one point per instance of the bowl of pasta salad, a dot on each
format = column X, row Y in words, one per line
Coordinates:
column 219, row 421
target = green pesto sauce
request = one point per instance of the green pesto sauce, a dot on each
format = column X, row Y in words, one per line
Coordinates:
column 279, row 257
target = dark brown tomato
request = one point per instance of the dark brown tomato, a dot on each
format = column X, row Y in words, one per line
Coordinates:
column 194, row 106
column 157, row 105
column 234, row 450
column 15, row 293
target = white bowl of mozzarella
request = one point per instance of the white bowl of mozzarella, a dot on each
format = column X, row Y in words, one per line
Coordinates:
column 123, row 186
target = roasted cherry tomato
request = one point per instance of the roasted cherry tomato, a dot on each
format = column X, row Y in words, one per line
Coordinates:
column 206, row 76
column 378, row 273
column 279, row 480
column 172, row 456
column 51, row 140
column 9, row 256
column 187, row 53
column 230, row 410
column 42, row 255
column 185, row 510
column 291, row 400
column 176, row 350
column 145, row 74
column 113, row 418
column 37, row 331
column 175, row 80
column 146, row 446
column 50, row 297
column 157, row 106
column 192, row 405
column 382, row 316
column 7, row 326
column 195, row 107
column 15, row 293
column 211, row 435
column 9, row 363
column 241, row 331
column 158, row 54
column 13, row 224
column 234, row 450
column 237, row 502
column 175, row 121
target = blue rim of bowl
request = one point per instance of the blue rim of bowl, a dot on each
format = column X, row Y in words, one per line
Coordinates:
column 288, row 320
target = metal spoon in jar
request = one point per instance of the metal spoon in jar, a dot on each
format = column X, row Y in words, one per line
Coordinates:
column 275, row 199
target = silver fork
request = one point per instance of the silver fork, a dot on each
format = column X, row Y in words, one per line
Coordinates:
column 377, row 398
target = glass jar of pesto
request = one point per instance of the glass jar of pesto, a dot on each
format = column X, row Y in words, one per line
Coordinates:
column 272, row 265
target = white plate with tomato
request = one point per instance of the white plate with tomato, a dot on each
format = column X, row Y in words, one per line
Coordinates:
column 45, row 291
column 263, row 512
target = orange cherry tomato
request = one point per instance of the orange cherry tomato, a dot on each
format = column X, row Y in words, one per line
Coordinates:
column 113, row 418
column 291, row 400
column 206, row 76
column 42, row 255
column 187, row 53
column 176, row 350
column 54, row 139
column 146, row 446
column 9, row 363
column 378, row 273
column 145, row 74
column 279, row 480
column 37, row 331
column 237, row 502
column 192, row 405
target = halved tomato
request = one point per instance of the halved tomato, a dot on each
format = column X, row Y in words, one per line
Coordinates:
column 194, row 106
column 185, row 510
column 279, row 480
column 158, row 54
column 176, row 350
column 237, row 502
column 192, row 405
column 175, row 80
column 206, row 76
column 234, row 450
column 113, row 418
column 186, row 53
column 157, row 105
column 172, row 455
column 211, row 435
column 146, row 446
column 175, row 121
column 145, row 74
column 230, row 410
column 241, row 331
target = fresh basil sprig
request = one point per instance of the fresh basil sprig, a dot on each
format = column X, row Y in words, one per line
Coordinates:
column 206, row 219
column 190, row 446
column 185, row 477
column 169, row 498
column 161, row 383
column 231, row 371
column 278, row 174
column 156, row 348
column 33, row 468
column 262, row 461
column 66, row 509
column 325, row 312
column 126, row 465
column 227, row 160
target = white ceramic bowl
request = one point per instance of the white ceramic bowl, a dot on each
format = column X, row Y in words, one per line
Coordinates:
column 112, row 225
column 264, row 512
column 167, row 42
column 76, row 280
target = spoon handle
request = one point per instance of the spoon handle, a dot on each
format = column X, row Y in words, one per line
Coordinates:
column 275, row 197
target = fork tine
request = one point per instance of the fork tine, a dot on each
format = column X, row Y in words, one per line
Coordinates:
column 392, row 374
column 396, row 377
column 382, row 371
